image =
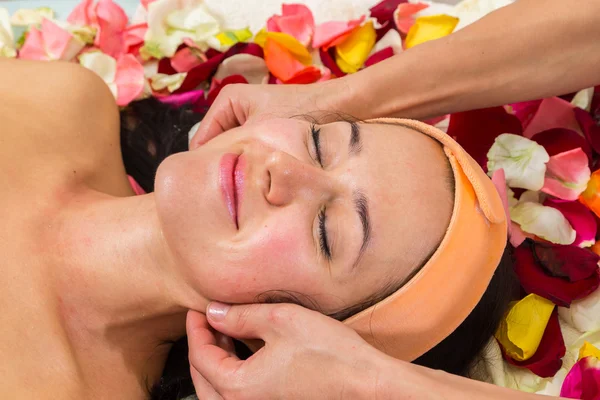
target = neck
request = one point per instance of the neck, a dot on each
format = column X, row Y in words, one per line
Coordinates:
column 117, row 290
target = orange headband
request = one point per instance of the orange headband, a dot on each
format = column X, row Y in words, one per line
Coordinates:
column 443, row 293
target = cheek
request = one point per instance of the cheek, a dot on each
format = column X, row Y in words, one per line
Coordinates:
column 276, row 259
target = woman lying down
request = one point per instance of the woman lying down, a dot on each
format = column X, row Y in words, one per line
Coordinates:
column 387, row 225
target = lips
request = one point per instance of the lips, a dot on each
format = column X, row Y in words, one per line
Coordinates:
column 231, row 177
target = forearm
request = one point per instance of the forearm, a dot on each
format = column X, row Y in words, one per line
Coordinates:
column 398, row 380
column 530, row 49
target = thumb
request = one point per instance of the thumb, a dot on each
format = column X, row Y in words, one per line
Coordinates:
column 247, row 321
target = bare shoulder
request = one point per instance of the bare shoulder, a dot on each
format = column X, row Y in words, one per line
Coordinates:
column 59, row 117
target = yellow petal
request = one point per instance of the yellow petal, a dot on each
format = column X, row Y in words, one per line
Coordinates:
column 588, row 350
column 429, row 28
column 229, row 38
column 289, row 42
column 523, row 326
column 351, row 54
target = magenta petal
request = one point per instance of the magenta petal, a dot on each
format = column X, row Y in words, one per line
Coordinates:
column 525, row 111
column 583, row 380
column 580, row 218
column 329, row 62
column 553, row 112
column 559, row 140
column 178, row 100
column 379, row 56
column 476, row 130
column 590, row 128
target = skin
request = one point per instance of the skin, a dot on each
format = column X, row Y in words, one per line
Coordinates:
column 95, row 280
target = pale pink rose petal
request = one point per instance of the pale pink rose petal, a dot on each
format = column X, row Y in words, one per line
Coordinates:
column 296, row 20
column 112, row 21
column 59, row 44
column 404, row 15
column 145, row 3
column 82, row 13
column 33, row 48
column 516, row 236
column 129, row 79
column 567, row 174
column 328, row 32
column 553, row 112
column 186, row 59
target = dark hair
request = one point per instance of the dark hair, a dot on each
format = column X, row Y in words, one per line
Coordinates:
column 151, row 131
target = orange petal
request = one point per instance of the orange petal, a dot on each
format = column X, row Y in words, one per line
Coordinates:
column 280, row 61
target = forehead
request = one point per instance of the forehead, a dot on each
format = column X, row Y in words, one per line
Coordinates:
column 405, row 175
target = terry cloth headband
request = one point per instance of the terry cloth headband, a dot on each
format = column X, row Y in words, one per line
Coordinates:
column 418, row 316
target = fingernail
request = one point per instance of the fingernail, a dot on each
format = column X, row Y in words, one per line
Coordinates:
column 217, row 311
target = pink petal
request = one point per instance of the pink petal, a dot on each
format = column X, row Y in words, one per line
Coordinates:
column 379, row 56
column 178, row 100
column 583, row 380
column 499, row 181
column 145, row 3
column 129, row 79
column 81, row 13
column 328, row 32
column 580, row 218
column 112, row 21
column 553, row 112
column 186, row 59
column 33, row 48
column 55, row 42
column 296, row 20
column 403, row 16
column 567, row 174
column 559, row 140
column 525, row 111
column 134, row 36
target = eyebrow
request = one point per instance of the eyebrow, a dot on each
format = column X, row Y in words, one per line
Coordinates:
column 361, row 206
column 355, row 145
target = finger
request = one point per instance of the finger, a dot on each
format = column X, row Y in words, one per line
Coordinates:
column 227, row 112
column 252, row 321
column 204, row 390
column 212, row 362
column 225, row 342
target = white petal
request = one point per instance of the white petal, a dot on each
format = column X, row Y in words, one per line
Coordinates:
column 469, row 11
column 390, row 39
column 192, row 132
column 170, row 82
column 554, row 384
column 545, row 222
column 583, row 98
column 524, row 161
column 7, row 45
column 104, row 65
column 583, row 314
column 27, row 17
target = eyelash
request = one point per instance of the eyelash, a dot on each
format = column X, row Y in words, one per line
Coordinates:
column 325, row 249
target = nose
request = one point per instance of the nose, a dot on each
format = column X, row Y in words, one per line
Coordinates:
column 291, row 179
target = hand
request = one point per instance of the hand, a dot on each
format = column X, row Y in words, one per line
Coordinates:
column 239, row 103
column 306, row 355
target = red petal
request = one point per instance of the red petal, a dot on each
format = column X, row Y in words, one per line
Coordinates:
column 580, row 218
column 569, row 262
column 547, row 360
column 560, row 140
column 379, row 56
column 535, row 279
column 217, row 86
column 525, row 111
column 309, row 74
column 590, row 128
column 384, row 10
column 202, row 72
column 476, row 130
column 328, row 61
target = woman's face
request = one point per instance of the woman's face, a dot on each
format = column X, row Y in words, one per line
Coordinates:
column 333, row 213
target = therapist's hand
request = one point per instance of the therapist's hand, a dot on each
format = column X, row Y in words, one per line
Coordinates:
column 306, row 355
column 239, row 103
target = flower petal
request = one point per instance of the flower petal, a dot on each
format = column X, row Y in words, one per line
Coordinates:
column 112, row 21
column 28, row 17
column 566, row 262
column 590, row 128
column 547, row 359
column 252, row 68
column 583, row 99
column 430, row 28
column 353, row 52
column 216, row 86
column 559, row 140
column 552, row 113
column 133, row 36
column 583, row 381
column 390, row 39
column 544, row 222
column 580, row 218
column 588, row 350
column 82, row 14
column 296, row 20
column 583, row 313
column 591, row 195
column 476, row 130
column 379, row 56
column 523, row 161
column 286, row 41
column 328, row 32
column 561, row 292
column 173, row 82
column 178, row 100
column 327, row 58
column 521, row 330
column 103, row 65
column 7, row 44
column 567, row 174
column 129, row 79
column 404, row 15
column 224, row 40
column 525, row 111
column 186, row 59
column 280, row 61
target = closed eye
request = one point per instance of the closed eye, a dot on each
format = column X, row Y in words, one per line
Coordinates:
column 316, row 136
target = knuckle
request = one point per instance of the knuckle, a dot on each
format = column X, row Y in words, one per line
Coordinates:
column 281, row 314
